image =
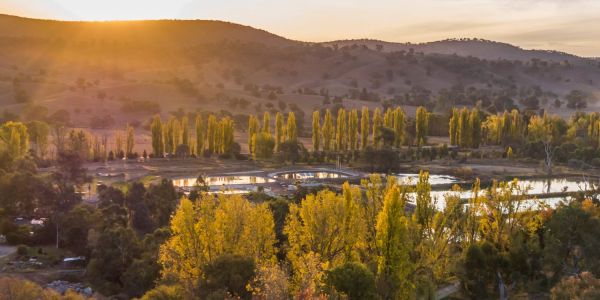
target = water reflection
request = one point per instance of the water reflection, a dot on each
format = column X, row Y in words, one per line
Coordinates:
column 310, row 175
column 223, row 180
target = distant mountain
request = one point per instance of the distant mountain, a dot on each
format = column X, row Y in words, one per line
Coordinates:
column 483, row 49
column 177, row 32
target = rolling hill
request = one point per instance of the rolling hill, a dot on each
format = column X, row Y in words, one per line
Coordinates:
column 131, row 70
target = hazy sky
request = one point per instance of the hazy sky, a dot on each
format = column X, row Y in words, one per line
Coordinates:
column 566, row 25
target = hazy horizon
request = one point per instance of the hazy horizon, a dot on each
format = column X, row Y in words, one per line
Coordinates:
column 568, row 26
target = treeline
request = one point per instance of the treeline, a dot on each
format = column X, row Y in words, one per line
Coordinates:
column 379, row 240
column 212, row 135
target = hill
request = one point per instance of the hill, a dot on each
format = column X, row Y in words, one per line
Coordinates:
column 130, row 70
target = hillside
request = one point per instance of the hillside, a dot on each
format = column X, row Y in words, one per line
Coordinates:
column 479, row 48
column 131, row 70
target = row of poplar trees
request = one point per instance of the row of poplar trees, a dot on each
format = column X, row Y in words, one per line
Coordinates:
column 347, row 134
column 211, row 136
column 262, row 143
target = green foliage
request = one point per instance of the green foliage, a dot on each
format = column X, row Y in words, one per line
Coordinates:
column 230, row 274
column 354, row 280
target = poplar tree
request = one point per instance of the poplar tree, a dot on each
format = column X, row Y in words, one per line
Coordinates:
column 364, row 128
column 211, row 133
column 119, row 144
column 292, row 134
column 399, row 125
column 130, row 140
column 340, row 137
column 185, row 131
column 353, row 130
column 453, row 127
column 316, row 130
column 388, row 118
column 463, row 128
column 421, row 125
column 475, row 128
column 377, row 123
column 393, row 240
column 200, row 135
column 279, row 131
column 252, row 130
column 327, row 131
column 38, row 134
column 15, row 137
column 157, row 137
column 266, row 127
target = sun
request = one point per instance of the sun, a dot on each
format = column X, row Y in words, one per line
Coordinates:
column 107, row 10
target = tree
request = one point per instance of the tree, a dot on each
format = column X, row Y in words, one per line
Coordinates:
column 279, row 131
column 394, row 266
column 325, row 227
column 353, row 130
column 157, row 137
column 544, row 130
column 421, row 125
column 271, row 282
column 203, row 231
column 377, row 124
column 185, row 131
column 364, row 128
column 584, row 286
column 453, row 128
column 228, row 275
column 464, row 137
column 15, row 138
column 263, row 144
column 571, row 234
column 252, row 131
column 266, row 127
column 200, row 135
column 576, row 99
column 399, row 125
column 316, row 130
column 115, row 250
column 354, row 280
column 475, row 128
column 327, row 131
column 341, row 134
column 212, row 134
column 292, row 134
column 38, row 134
column 129, row 141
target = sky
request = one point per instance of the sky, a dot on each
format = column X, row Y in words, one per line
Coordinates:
column 565, row 25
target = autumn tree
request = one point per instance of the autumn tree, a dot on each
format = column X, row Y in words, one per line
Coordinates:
column 341, row 133
column 421, row 125
column 327, row 131
column 316, row 130
column 38, row 135
column 292, row 127
column 325, row 227
column 377, row 124
column 364, row 128
column 200, row 135
column 15, row 137
column 252, row 130
column 279, row 131
column 157, row 136
column 129, row 140
column 209, row 228
column 394, row 244
column 266, row 127
column 399, row 125
column 353, row 130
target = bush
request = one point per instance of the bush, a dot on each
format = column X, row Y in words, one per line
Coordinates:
column 22, row 250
